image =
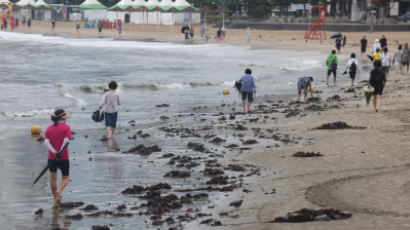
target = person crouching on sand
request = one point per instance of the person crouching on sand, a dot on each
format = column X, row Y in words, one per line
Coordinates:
column 111, row 101
column 248, row 88
column 303, row 84
column 56, row 137
column 378, row 81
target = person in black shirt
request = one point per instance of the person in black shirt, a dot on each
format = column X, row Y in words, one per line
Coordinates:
column 378, row 81
column 363, row 45
column 383, row 42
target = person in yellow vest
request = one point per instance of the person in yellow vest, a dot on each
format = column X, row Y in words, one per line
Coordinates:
column 376, row 55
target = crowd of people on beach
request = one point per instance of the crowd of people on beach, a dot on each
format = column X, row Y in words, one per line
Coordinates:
column 14, row 23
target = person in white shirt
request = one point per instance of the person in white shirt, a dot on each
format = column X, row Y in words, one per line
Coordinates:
column 111, row 101
column 353, row 67
column 376, row 45
column 385, row 58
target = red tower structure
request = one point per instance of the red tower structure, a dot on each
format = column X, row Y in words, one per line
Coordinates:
column 316, row 27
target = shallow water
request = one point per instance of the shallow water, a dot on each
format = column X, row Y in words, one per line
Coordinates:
column 39, row 74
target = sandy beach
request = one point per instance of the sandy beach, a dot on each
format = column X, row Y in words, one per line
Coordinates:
column 363, row 171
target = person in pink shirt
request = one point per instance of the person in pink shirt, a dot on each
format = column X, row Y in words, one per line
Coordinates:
column 56, row 136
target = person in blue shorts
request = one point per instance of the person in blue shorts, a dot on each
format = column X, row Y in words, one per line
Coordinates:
column 110, row 102
column 248, row 88
column 303, row 84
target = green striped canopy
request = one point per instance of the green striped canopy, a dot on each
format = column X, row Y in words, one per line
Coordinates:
column 92, row 5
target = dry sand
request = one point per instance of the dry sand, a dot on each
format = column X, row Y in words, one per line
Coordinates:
column 363, row 171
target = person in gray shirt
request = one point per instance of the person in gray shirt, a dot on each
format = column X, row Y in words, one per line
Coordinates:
column 398, row 59
column 110, row 102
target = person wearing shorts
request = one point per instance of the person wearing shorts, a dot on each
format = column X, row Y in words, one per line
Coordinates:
column 353, row 67
column 247, row 89
column 56, row 137
column 331, row 63
column 110, row 102
column 378, row 81
column 303, row 84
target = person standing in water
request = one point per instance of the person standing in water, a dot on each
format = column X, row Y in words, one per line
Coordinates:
column 352, row 66
column 111, row 101
column 248, row 88
column 303, row 84
column 56, row 137
column 331, row 63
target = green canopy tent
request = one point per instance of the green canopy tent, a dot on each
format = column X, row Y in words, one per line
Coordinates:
column 182, row 6
column 153, row 14
column 41, row 5
column 93, row 9
column 25, row 4
column 123, row 6
column 166, row 17
column 140, row 8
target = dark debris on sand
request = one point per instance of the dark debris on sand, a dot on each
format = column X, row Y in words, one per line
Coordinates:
column 90, row 208
column 77, row 216
column 143, row 151
column 71, row 205
column 307, row 154
column 39, row 212
column 100, row 227
column 178, row 174
column 338, row 125
column 136, row 189
column 196, row 147
column 306, row 215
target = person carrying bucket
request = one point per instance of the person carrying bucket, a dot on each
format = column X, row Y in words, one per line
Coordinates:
column 56, row 137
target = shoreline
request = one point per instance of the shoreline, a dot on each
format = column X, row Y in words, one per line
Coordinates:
column 358, row 173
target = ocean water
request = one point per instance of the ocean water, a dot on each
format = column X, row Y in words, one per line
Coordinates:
column 41, row 73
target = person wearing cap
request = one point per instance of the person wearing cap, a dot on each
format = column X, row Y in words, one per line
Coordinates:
column 56, row 137
column 303, row 84
column 376, row 45
column 111, row 101
column 36, row 133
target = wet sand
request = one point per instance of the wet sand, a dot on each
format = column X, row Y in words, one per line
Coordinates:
column 362, row 171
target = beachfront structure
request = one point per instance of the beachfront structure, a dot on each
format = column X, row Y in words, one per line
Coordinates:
column 185, row 13
column 121, row 10
column 153, row 14
column 166, row 15
column 44, row 9
column 138, row 17
column 93, row 9
column 25, row 7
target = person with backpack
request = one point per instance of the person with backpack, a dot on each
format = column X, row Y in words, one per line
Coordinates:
column 385, row 59
column 352, row 66
column 111, row 101
column 331, row 63
column 378, row 81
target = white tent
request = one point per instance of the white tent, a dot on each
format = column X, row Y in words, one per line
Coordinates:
column 93, row 9
column 167, row 16
column 138, row 17
column 44, row 9
column 185, row 13
column 119, row 10
column 25, row 3
column 153, row 14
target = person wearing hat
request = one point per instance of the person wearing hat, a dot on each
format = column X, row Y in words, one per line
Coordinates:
column 56, row 137
column 376, row 45
column 36, row 133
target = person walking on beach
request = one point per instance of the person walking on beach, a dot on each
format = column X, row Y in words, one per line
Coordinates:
column 339, row 44
column 352, row 66
column 378, row 81
column 191, row 32
column 331, row 63
column 376, row 45
column 383, row 42
column 304, row 84
column 363, row 45
column 186, row 33
column 111, row 101
column 406, row 57
column 29, row 24
column 99, row 25
column 376, row 55
column 248, row 88
column 385, row 59
column 56, row 136
column 119, row 27
column 398, row 56
column 77, row 28
column 24, row 21
column 53, row 25
column 248, row 35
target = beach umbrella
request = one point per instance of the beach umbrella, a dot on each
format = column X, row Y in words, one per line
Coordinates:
column 336, row 35
column 184, row 28
column 92, row 5
column 368, row 92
